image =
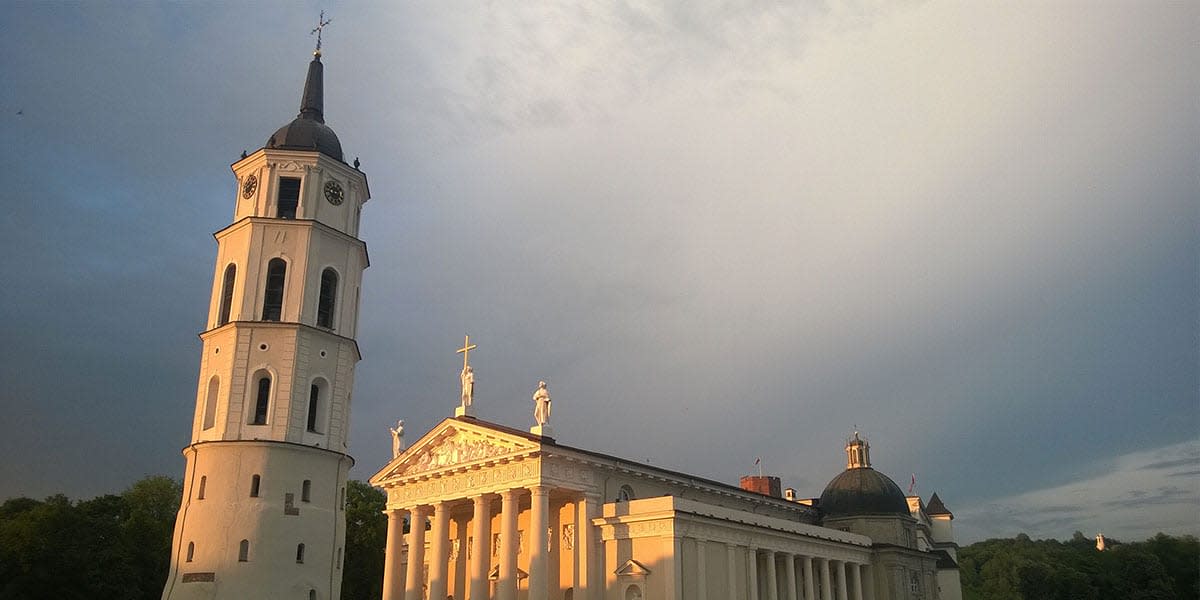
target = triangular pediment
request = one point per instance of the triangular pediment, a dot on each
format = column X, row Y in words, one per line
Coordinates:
column 454, row 443
column 632, row 568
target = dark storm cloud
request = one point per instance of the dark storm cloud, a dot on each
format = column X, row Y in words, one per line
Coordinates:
column 758, row 225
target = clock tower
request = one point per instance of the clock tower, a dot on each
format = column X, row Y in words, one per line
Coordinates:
column 263, row 510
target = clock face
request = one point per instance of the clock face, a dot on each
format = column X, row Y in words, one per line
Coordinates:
column 334, row 193
column 250, row 185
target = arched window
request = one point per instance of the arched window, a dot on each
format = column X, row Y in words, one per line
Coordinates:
column 300, row 554
column 312, row 594
column 203, row 483
column 339, row 557
column 343, row 503
column 255, row 482
column 191, row 551
column 327, row 300
column 273, row 295
column 289, row 197
column 306, row 491
column 633, row 592
column 314, row 405
column 227, row 295
column 625, row 494
column 244, row 550
column 210, row 403
column 262, row 401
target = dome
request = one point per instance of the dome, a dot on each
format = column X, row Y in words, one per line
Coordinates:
column 307, row 134
column 862, row 491
column 308, row 130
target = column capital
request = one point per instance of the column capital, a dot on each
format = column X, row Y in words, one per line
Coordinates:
column 539, row 490
column 511, row 493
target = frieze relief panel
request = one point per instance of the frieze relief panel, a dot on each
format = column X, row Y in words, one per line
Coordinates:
column 465, row 484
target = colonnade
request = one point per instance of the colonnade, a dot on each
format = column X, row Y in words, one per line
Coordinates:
column 585, row 552
column 774, row 575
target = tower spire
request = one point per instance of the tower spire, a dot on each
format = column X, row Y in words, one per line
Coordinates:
column 312, row 102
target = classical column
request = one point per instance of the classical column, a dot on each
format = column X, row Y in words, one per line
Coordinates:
column 826, row 584
column 539, row 521
column 588, row 554
column 772, row 576
column 506, row 587
column 868, row 575
column 731, row 556
column 392, row 581
column 481, row 530
column 414, row 579
column 439, row 548
column 855, row 581
column 752, row 572
column 789, row 575
column 701, row 569
column 810, row 590
column 840, row 570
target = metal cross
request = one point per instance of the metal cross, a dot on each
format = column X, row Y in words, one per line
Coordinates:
column 465, row 350
column 321, row 23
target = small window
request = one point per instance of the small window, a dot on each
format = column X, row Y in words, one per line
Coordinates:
column 191, row 551
column 203, row 484
column 244, row 550
column 273, row 294
column 255, row 482
column 289, row 197
column 625, row 494
column 339, row 562
column 227, row 295
column 312, row 594
column 306, row 491
column 300, row 554
column 262, row 401
column 343, row 502
column 314, row 406
column 210, row 403
column 327, row 299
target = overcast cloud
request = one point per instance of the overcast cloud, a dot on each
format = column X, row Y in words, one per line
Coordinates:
column 718, row 230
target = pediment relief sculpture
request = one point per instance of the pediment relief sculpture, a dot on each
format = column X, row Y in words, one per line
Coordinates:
column 454, row 447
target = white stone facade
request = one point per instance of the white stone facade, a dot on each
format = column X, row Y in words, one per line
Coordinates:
column 508, row 515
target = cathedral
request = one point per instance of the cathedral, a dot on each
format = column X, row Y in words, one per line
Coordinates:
column 475, row 510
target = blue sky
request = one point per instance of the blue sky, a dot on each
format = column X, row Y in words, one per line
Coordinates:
column 719, row 231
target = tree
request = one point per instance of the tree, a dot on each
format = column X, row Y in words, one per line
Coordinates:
column 366, row 537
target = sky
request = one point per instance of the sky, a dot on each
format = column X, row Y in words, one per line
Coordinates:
column 719, row 231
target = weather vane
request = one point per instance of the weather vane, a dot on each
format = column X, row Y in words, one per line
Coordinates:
column 321, row 23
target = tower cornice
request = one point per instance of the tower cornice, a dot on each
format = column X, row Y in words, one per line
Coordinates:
column 208, row 333
column 298, row 223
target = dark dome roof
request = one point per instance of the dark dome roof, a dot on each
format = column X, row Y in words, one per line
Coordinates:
column 862, row 491
column 307, row 134
column 308, row 130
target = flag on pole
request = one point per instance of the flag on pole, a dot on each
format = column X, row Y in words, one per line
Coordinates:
column 913, row 484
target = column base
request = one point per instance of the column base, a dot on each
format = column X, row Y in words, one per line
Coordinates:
column 542, row 430
column 464, row 411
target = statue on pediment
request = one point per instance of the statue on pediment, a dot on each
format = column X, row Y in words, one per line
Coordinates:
column 541, row 404
column 468, row 386
column 397, row 438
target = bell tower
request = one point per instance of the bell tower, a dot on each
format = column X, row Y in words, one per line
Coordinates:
column 264, row 488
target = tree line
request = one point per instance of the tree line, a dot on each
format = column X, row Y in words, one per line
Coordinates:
column 1163, row 567
column 119, row 547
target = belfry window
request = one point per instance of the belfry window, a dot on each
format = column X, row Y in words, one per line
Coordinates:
column 263, row 401
column 329, row 282
column 227, row 294
column 273, row 294
column 289, row 197
column 244, row 551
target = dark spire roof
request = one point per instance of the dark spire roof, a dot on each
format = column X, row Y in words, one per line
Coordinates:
column 308, row 130
column 936, row 507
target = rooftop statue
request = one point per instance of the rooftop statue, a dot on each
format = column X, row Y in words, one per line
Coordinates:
column 541, row 404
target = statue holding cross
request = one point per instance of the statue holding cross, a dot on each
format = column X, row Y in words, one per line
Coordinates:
column 468, row 379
